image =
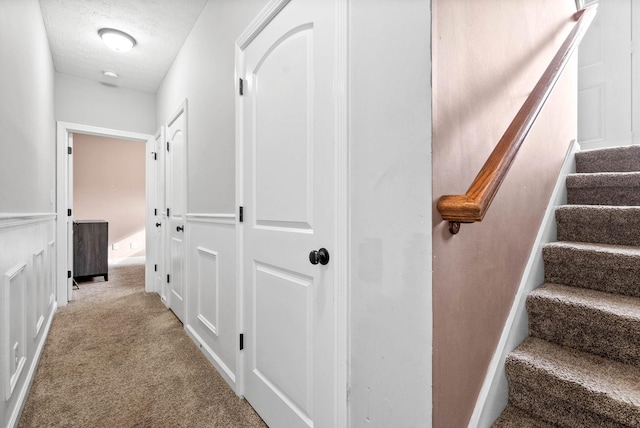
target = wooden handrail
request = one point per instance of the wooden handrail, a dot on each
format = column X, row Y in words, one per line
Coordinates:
column 473, row 205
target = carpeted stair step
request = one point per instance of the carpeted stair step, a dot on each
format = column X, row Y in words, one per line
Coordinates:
column 613, row 159
column 602, row 224
column 592, row 321
column 571, row 388
column 609, row 268
column 604, row 188
column 512, row 417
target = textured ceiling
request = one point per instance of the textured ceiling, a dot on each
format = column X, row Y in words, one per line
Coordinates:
column 159, row 27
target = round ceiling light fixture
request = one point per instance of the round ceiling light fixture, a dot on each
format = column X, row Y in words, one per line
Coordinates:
column 117, row 40
column 108, row 73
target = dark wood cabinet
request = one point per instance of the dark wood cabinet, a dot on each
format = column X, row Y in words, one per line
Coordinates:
column 90, row 248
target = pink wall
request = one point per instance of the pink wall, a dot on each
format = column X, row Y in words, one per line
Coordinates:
column 109, row 184
column 487, row 56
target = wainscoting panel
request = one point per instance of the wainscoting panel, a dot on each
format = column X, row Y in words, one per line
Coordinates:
column 211, row 289
column 27, row 303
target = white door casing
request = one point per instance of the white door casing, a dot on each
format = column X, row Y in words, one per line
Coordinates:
column 157, row 252
column 176, row 206
column 69, row 216
column 64, row 200
column 605, row 78
column 292, row 157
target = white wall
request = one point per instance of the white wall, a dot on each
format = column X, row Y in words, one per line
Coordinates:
column 87, row 102
column 27, row 199
column 27, row 124
column 390, row 141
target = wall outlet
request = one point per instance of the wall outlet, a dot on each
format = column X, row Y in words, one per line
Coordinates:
column 115, row 247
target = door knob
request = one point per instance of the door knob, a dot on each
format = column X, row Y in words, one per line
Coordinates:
column 319, row 256
column 180, row 228
column 158, row 224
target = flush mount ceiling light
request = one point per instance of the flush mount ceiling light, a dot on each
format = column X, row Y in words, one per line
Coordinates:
column 117, row 40
column 110, row 74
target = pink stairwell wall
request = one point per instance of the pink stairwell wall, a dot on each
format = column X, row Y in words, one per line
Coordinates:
column 109, row 184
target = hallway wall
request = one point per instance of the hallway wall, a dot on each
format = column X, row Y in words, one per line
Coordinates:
column 484, row 67
column 92, row 103
column 27, row 199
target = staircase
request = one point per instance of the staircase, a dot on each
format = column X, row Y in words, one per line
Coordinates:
column 580, row 365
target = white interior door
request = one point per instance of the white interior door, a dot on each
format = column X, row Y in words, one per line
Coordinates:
column 70, row 216
column 159, row 216
column 289, row 206
column 175, row 210
column 604, row 78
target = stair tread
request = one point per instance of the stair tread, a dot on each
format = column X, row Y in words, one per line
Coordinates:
column 616, row 381
column 624, row 158
column 608, row 249
column 603, row 179
column 615, row 304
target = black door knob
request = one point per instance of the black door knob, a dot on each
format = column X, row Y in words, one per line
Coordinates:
column 180, row 228
column 320, row 256
column 158, row 224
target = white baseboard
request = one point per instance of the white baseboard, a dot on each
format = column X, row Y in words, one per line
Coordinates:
column 219, row 365
column 493, row 395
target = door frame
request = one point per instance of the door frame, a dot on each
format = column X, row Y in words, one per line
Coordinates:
column 64, row 182
column 340, row 255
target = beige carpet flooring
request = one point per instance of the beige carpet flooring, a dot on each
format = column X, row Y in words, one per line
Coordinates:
column 116, row 357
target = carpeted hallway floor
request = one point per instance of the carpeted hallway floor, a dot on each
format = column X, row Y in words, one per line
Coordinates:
column 116, row 357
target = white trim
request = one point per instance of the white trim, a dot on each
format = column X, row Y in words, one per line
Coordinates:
column 213, row 328
column 64, row 129
column 10, row 381
column 223, row 369
column 492, row 398
column 12, row 220
column 221, row 218
column 266, row 15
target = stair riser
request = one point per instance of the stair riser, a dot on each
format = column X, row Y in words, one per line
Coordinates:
column 542, row 394
column 614, row 226
column 595, row 271
column 554, row 410
column 585, row 329
column 617, row 196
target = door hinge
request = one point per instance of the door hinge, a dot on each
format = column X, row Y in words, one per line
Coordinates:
column 155, row 211
column 167, row 212
column 168, row 279
column 155, row 268
column 69, row 150
column 241, row 214
column 155, row 155
column 241, row 86
column 167, row 146
column 69, row 212
column 241, row 341
column 68, row 274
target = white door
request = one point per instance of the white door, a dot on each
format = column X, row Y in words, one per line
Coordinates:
column 289, row 202
column 175, row 210
column 604, row 78
column 70, row 216
column 160, row 285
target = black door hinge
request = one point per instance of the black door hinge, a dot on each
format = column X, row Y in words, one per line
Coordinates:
column 155, row 268
column 167, row 146
column 155, row 155
column 69, row 150
column 168, row 277
column 241, row 86
column 241, row 341
column 68, row 274
column 69, row 212
column 167, row 212
column 155, row 211
column 241, row 214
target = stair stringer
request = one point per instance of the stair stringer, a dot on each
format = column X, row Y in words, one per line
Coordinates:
column 493, row 396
